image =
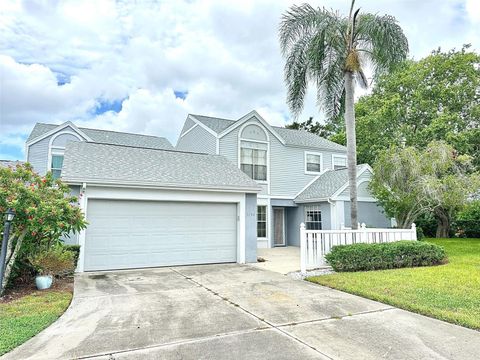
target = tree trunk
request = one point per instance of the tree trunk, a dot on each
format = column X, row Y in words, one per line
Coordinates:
column 11, row 256
column 443, row 225
column 351, row 146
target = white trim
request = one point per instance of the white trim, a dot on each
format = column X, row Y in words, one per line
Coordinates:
column 267, row 232
column 359, row 199
column 58, row 128
column 281, row 197
column 202, row 125
column 267, row 142
column 154, row 186
column 284, row 226
column 188, row 130
column 82, row 235
column 95, row 192
column 58, row 150
column 247, row 118
column 305, row 154
column 338, row 156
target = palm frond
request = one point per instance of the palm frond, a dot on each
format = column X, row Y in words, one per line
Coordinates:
column 382, row 40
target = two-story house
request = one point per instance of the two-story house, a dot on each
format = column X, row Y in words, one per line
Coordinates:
column 303, row 177
column 229, row 187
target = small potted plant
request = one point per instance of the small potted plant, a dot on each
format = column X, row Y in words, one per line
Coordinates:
column 50, row 263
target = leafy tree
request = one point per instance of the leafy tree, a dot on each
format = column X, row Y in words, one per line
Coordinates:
column 332, row 50
column 409, row 183
column 322, row 130
column 44, row 211
column 436, row 98
column 467, row 222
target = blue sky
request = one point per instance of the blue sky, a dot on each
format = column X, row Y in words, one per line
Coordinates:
column 143, row 66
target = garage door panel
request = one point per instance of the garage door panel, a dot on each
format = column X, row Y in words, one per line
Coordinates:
column 129, row 234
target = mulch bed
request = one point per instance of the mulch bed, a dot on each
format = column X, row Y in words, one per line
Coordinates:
column 25, row 288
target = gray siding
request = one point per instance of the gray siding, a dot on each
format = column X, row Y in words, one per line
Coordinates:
column 295, row 216
column 250, row 228
column 198, row 140
column 369, row 213
column 38, row 152
column 61, row 140
column 38, row 156
column 287, row 163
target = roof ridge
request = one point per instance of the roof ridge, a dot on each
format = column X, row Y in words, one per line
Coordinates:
column 141, row 147
column 213, row 117
column 89, row 128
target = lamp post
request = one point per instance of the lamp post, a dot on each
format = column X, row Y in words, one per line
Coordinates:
column 9, row 215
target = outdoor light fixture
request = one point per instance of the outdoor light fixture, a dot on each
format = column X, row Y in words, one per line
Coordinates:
column 9, row 215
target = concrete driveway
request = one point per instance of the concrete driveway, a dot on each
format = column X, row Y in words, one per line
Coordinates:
column 235, row 312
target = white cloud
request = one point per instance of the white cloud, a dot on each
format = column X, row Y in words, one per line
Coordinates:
column 225, row 54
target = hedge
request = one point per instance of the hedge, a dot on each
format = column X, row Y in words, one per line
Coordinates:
column 364, row 257
column 75, row 249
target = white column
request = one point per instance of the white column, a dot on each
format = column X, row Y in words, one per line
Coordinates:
column 303, row 249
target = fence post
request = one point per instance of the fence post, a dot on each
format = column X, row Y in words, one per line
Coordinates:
column 414, row 231
column 363, row 233
column 303, row 249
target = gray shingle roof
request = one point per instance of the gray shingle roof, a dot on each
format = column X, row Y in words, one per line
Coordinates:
column 291, row 137
column 216, row 124
column 110, row 137
column 326, row 185
column 306, row 139
column 10, row 163
column 114, row 164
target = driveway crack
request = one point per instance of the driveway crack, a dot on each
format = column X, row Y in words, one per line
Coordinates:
column 238, row 306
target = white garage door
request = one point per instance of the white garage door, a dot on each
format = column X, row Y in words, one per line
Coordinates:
column 134, row 234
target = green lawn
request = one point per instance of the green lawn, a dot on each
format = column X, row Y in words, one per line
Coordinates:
column 448, row 292
column 23, row 318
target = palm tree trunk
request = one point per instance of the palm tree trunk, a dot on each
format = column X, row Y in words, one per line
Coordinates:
column 351, row 146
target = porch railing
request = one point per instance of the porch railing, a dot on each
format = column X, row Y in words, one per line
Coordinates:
column 314, row 244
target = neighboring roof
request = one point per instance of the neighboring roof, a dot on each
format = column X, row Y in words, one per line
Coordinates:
column 307, row 139
column 326, row 185
column 10, row 163
column 109, row 137
column 290, row 136
column 124, row 165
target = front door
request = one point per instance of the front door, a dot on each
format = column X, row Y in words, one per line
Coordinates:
column 279, row 227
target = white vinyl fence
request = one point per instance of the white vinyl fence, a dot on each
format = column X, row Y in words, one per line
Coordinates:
column 314, row 244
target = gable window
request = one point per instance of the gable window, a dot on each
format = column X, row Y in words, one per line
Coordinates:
column 56, row 165
column 262, row 221
column 313, row 218
column 339, row 162
column 253, row 162
column 313, row 162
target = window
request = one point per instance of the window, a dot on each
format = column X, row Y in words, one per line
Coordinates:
column 313, row 218
column 261, row 221
column 313, row 162
column 339, row 162
column 254, row 163
column 56, row 166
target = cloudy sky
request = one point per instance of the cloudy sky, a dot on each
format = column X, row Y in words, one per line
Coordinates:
column 142, row 66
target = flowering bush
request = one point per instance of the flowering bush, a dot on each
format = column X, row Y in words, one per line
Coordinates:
column 54, row 261
column 44, row 211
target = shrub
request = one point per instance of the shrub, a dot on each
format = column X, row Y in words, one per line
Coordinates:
column 364, row 257
column 467, row 223
column 55, row 261
column 75, row 249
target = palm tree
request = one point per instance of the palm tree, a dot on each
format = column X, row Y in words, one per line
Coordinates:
column 332, row 51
